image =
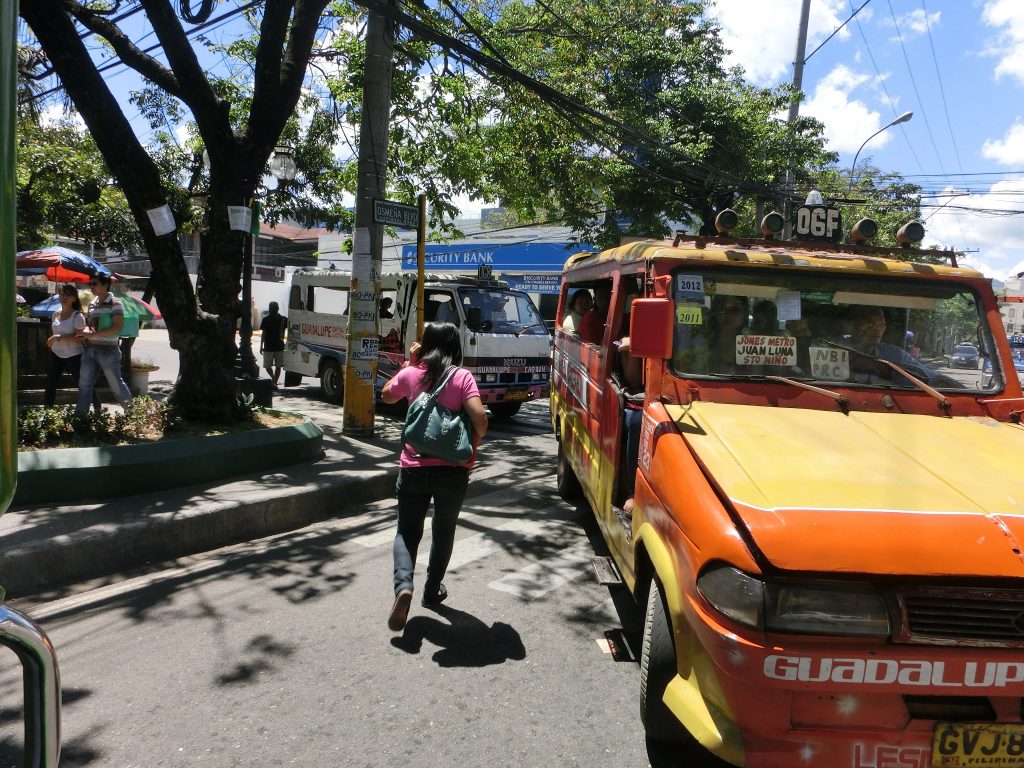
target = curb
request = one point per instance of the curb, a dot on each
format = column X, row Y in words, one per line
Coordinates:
column 114, row 546
column 67, row 474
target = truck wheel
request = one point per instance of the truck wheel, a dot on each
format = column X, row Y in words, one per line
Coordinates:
column 332, row 382
column 657, row 668
column 568, row 484
column 504, row 410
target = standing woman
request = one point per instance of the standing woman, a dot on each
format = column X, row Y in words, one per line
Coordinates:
column 65, row 347
column 100, row 338
column 422, row 478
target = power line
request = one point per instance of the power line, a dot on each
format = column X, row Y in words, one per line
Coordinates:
column 913, row 82
column 836, row 31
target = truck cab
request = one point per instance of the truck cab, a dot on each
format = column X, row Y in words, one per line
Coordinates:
column 505, row 342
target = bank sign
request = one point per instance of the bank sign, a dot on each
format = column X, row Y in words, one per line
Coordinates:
column 526, row 259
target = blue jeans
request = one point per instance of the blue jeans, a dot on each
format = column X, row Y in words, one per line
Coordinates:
column 632, row 420
column 94, row 360
column 416, row 486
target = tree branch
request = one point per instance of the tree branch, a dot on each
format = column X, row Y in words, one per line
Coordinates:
column 128, row 52
column 210, row 114
column 273, row 103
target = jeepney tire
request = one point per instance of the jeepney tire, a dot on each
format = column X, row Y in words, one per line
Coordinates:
column 332, row 381
column 568, row 484
column 504, row 410
column 657, row 668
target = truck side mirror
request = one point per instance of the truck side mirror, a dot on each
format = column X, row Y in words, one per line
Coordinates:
column 650, row 328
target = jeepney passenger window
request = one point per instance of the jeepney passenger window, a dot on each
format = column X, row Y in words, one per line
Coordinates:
column 295, row 298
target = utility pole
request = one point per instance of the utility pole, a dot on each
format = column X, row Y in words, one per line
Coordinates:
column 794, row 112
column 368, row 243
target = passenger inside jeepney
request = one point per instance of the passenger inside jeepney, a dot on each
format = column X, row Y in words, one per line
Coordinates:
column 629, row 370
column 725, row 322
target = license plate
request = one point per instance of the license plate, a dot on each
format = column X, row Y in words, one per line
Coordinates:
column 517, row 394
column 964, row 745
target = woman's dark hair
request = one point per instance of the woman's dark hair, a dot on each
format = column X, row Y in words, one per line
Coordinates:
column 69, row 290
column 576, row 295
column 440, row 349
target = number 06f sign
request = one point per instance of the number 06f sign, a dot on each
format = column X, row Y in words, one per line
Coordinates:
column 818, row 222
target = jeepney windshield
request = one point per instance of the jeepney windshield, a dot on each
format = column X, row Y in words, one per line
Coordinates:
column 507, row 311
column 757, row 323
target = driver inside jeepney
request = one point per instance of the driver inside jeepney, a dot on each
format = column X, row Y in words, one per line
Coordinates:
column 867, row 328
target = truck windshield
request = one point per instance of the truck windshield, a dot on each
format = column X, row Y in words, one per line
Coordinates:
column 746, row 323
column 507, row 311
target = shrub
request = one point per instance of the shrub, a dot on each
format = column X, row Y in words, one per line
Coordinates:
column 40, row 426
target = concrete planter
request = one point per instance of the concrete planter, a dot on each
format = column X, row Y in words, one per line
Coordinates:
column 82, row 474
column 139, row 381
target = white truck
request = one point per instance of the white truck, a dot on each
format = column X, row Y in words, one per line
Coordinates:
column 505, row 342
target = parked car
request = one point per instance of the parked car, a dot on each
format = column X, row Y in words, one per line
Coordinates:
column 986, row 369
column 965, row 356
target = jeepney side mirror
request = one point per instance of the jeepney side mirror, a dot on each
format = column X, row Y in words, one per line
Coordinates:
column 650, row 328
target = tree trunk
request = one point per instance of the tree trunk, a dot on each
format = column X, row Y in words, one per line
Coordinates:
column 205, row 389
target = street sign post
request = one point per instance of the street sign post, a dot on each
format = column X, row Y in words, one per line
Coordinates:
column 396, row 214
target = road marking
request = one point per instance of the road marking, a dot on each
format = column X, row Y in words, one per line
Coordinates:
column 540, row 578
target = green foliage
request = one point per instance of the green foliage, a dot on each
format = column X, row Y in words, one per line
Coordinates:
column 41, row 426
column 64, row 186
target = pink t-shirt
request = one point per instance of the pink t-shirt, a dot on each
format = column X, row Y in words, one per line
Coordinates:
column 408, row 383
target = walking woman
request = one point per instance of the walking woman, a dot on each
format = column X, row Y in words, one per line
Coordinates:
column 65, row 347
column 422, row 478
column 100, row 338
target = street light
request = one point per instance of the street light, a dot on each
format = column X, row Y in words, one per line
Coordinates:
column 282, row 168
column 901, row 119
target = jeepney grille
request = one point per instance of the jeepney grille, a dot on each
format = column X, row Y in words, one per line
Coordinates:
column 968, row 616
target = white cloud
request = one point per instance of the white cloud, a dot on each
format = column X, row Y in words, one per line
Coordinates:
column 1009, row 150
column 762, row 36
column 55, row 113
column 913, row 24
column 1008, row 17
column 848, row 122
column 997, row 237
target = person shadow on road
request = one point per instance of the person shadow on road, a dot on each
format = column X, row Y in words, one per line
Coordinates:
column 465, row 641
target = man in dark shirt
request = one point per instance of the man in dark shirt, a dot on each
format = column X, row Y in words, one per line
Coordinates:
column 272, row 342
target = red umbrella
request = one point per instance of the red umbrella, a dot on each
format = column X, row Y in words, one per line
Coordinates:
column 61, row 265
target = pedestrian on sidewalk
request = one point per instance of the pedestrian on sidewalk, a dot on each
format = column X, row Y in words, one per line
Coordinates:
column 100, row 339
column 422, row 478
column 65, row 348
column 272, row 341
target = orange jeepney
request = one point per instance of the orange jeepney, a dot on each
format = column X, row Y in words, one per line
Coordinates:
column 826, row 520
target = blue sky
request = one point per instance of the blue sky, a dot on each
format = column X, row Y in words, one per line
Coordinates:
column 958, row 65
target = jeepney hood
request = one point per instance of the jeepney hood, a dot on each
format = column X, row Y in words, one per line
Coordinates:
column 880, row 493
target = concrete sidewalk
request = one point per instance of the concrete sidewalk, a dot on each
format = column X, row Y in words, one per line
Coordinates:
column 46, row 547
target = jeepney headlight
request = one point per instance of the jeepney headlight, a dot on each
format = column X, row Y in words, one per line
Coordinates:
column 491, row 377
column 734, row 594
column 825, row 609
column 479, row 378
column 803, row 608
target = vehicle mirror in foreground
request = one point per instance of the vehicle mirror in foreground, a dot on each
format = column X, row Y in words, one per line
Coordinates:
column 650, row 328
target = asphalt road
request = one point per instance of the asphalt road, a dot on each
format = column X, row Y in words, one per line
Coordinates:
column 277, row 652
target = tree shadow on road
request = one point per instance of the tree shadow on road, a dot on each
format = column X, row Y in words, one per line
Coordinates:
column 465, row 640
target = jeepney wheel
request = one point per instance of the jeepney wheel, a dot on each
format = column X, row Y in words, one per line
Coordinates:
column 332, row 381
column 504, row 410
column 657, row 668
column 568, row 484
